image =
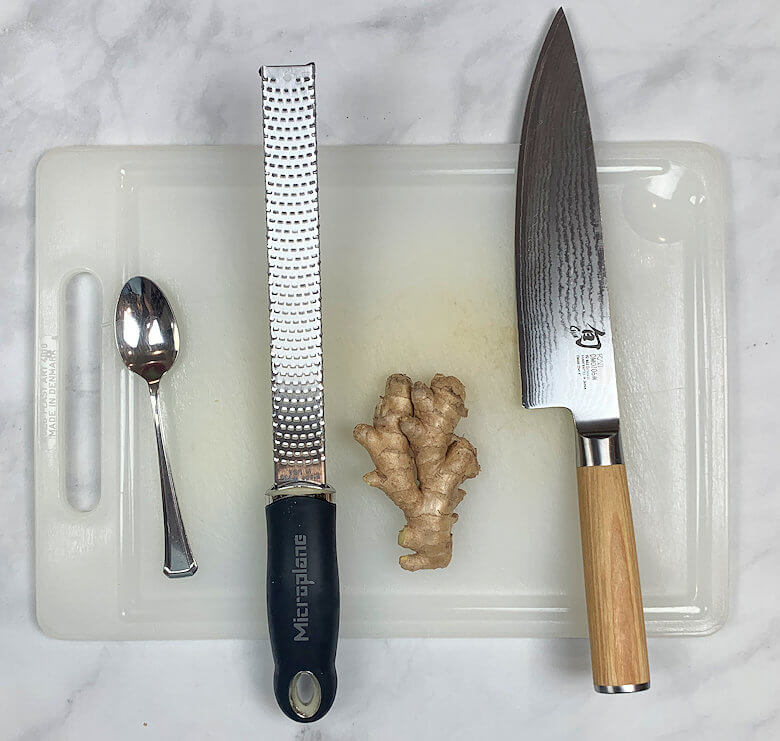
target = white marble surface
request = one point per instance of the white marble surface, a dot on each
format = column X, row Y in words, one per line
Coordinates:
column 85, row 71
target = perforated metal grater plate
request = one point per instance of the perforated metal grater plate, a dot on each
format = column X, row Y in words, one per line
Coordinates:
column 292, row 223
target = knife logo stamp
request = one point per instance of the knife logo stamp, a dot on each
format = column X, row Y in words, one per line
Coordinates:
column 302, row 582
column 589, row 336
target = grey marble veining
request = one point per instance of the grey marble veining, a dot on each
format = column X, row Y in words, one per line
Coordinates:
column 92, row 72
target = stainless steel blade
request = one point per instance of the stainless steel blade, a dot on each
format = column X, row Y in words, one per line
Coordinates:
column 292, row 222
column 565, row 335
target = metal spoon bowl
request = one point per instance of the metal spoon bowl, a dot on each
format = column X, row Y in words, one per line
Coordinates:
column 148, row 341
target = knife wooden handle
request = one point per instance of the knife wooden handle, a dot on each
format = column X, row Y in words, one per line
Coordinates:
column 616, row 623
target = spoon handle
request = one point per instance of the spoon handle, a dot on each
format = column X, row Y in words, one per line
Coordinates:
column 178, row 556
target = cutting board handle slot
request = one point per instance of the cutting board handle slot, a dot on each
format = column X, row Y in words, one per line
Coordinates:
column 82, row 312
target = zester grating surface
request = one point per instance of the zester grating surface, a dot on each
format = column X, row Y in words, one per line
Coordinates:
column 292, row 220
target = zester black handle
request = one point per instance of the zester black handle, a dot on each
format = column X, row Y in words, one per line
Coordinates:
column 303, row 603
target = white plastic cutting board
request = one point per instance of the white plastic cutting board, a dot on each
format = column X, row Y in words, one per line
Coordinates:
column 417, row 249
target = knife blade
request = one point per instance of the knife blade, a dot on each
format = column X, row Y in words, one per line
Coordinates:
column 566, row 350
column 302, row 586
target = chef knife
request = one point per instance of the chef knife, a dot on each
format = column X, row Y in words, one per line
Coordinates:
column 566, row 352
column 302, row 579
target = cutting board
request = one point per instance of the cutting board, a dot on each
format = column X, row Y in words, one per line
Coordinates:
column 417, row 251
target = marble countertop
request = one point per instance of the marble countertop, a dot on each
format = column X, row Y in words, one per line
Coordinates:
column 97, row 72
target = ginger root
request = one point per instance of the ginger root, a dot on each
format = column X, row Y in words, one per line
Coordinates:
column 420, row 462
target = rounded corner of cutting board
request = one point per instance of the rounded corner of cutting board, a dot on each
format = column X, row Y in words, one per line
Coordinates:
column 713, row 622
column 52, row 159
column 707, row 153
column 48, row 623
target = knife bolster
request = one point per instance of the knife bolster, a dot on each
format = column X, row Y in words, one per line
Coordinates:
column 599, row 449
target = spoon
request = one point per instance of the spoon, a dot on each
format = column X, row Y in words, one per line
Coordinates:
column 148, row 341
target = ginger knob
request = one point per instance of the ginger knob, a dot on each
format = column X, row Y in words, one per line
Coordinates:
column 420, row 462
